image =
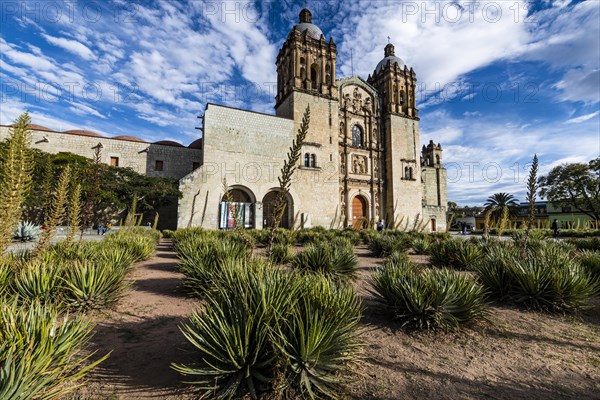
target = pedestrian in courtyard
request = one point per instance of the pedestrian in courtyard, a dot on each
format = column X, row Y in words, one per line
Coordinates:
column 554, row 227
column 100, row 228
column 463, row 228
column 380, row 226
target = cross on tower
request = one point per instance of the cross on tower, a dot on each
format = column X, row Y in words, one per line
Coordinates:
column 388, row 36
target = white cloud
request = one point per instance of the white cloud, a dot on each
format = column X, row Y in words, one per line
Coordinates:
column 71, row 46
column 582, row 118
column 439, row 49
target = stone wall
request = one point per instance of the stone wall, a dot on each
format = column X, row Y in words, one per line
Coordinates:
column 137, row 155
column 248, row 149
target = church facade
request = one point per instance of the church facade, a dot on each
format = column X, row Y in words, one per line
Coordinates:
column 361, row 162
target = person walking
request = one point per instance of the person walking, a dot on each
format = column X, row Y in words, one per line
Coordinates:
column 554, row 227
column 380, row 226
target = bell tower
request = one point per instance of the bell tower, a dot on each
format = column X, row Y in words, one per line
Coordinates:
column 305, row 63
column 306, row 78
column 396, row 83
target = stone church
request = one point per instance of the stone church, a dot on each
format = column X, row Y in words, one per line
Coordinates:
column 361, row 161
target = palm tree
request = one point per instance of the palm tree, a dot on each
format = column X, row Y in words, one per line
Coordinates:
column 500, row 200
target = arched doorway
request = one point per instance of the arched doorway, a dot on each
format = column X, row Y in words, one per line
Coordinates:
column 237, row 208
column 359, row 212
column 269, row 202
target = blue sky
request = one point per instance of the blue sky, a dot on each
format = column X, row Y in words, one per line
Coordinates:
column 498, row 80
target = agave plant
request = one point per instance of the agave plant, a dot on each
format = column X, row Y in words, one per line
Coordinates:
column 590, row 260
column 281, row 253
column 27, row 231
column 337, row 262
column 233, row 332
column 320, row 340
column 87, row 285
column 41, row 352
column 546, row 277
column 203, row 264
column 5, row 276
column 37, row 281
column 429, row 299
column 456, row 254
column 421, row 245
column 386, row 244
column 259, row 323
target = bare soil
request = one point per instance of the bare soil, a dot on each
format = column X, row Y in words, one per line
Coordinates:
column 517, row 354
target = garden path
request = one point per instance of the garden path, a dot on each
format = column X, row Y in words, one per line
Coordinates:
column 143, row 334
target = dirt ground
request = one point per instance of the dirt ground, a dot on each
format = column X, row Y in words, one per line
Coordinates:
column 516, row 355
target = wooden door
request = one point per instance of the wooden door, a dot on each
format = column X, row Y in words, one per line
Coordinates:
column 359, row 211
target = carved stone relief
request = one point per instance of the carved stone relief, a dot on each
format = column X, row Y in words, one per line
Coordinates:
column 359, row 164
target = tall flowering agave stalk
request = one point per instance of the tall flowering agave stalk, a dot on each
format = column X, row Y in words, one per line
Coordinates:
column 15, row 178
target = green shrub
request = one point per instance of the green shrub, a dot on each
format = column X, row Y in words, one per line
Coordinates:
column 41, row 352
column 367, row 235
column 203, row 262
column 429, row 299
column 457, row 254
column 586, row 244
column 142, row 247
column 335, row 261
column 421, row 245
column 590, row 260
column 281, row 253
column 310, row 236
column 386, row 244
column 546, row 278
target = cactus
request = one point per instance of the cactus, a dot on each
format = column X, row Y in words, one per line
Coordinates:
column 26, row 231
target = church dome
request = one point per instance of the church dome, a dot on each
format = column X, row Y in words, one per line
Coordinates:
column 307, row 26
column 389, row 57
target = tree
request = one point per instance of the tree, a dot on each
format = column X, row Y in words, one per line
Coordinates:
column 498, row 201
column 109, row 189
column 574, row 185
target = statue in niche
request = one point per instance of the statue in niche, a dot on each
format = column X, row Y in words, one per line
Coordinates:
column 342, row 130
column 347, row 100
column 362, row 165
column 342, row 165
column 355, row 167
column 359, row 164
column 367, row 106
column 357, row 102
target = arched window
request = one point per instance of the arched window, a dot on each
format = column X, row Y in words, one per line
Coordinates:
column 328, row 74
column 357, row 136
column 437, row 159
column 313, row 160
column 307, row 160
